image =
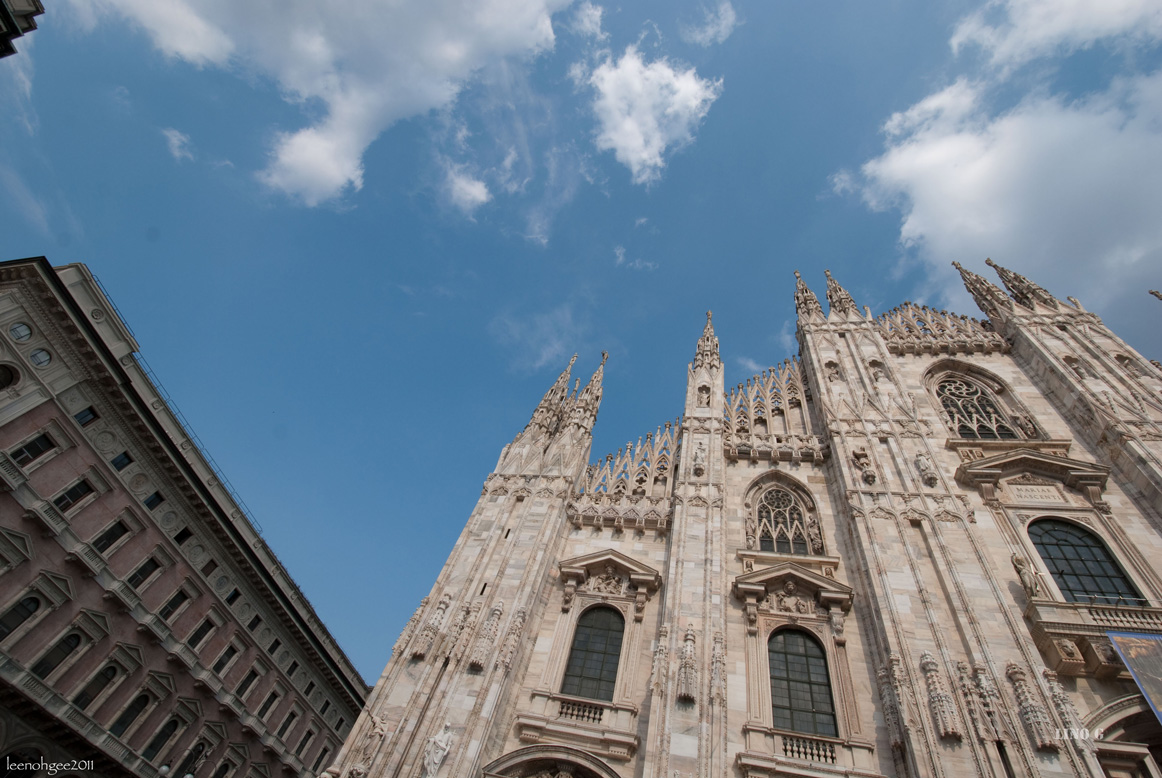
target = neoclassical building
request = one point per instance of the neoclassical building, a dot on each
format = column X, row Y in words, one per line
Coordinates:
column 899, row 553
column 145, row 626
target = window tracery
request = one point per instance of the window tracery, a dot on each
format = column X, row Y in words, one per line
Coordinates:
column 784, row 526
column 973, row 412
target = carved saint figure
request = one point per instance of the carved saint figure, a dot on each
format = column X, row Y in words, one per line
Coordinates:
column 437, row 750
column 373, row 738
column 700, row 458
column 1028, row 578
column 863, row 462
column 789, row 601
column 609, row 582
column 815, row 537
column 833, row 372
column 1025, row 425
column 703, row 396
column 927, row 472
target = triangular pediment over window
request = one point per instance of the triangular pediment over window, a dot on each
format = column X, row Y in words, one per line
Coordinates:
column 756, row 585
column 985, row 474
column 580, row 568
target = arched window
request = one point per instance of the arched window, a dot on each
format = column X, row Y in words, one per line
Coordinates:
column 17, row 615
column 783, row 527
column 1081, row 565
column 592, row 668
column 800, row 684
column 973, row 411
column 55, row 655
column 129, row 715
column 160, row 739
column 94, row 687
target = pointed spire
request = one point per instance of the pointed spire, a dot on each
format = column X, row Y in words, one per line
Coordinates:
column 547, row 415
column 706, row 354
column 806, row 303
column 584, row 412
column 838, row 298
column 988, row 296
column 1024, row 291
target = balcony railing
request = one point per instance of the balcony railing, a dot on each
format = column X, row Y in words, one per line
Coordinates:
column 809, row 749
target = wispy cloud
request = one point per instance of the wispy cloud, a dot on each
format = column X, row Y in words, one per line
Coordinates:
column 368, row 66
column 716, row 27
column 748, row 365
column 540, row 339
column 23, row 200
column 645, row 109
column 178, row 143
column 619, row 260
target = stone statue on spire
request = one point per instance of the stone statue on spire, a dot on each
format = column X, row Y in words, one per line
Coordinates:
column 706, row 355
column 1024, row 291
column 838, row 298
column 806, row 303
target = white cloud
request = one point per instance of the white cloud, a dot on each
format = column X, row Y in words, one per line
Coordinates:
column 587, row 21
column 640, row 221
column 645, row 108
column 1027, row 29
column 465, row 190
column 366, row 64
column 1063, row 191
column 715, row 28
column 178, row 143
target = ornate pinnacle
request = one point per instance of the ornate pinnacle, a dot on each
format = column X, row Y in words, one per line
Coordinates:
column 706, row 354
column 838, row 298
column 584, row 412
column 1024, row 291
column 987, row 295
column 548, row 413
column 806, row 303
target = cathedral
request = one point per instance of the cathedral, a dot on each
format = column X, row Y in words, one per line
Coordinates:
column 925, row 546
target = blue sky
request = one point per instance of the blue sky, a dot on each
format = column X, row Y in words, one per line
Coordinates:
column 358, row 240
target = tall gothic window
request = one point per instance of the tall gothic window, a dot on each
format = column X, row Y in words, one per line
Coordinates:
column 783, row 527
column 592, row 667
column 800, row 684
column 973, row 411
column 1081, row 565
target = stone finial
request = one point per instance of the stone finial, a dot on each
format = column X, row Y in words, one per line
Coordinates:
column 806, row 303
column 1024, row 291
column 987, row 295
column 706, row 353
column 838, row 298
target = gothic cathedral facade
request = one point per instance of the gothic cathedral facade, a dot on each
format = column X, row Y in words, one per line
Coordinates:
column 900, row 553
